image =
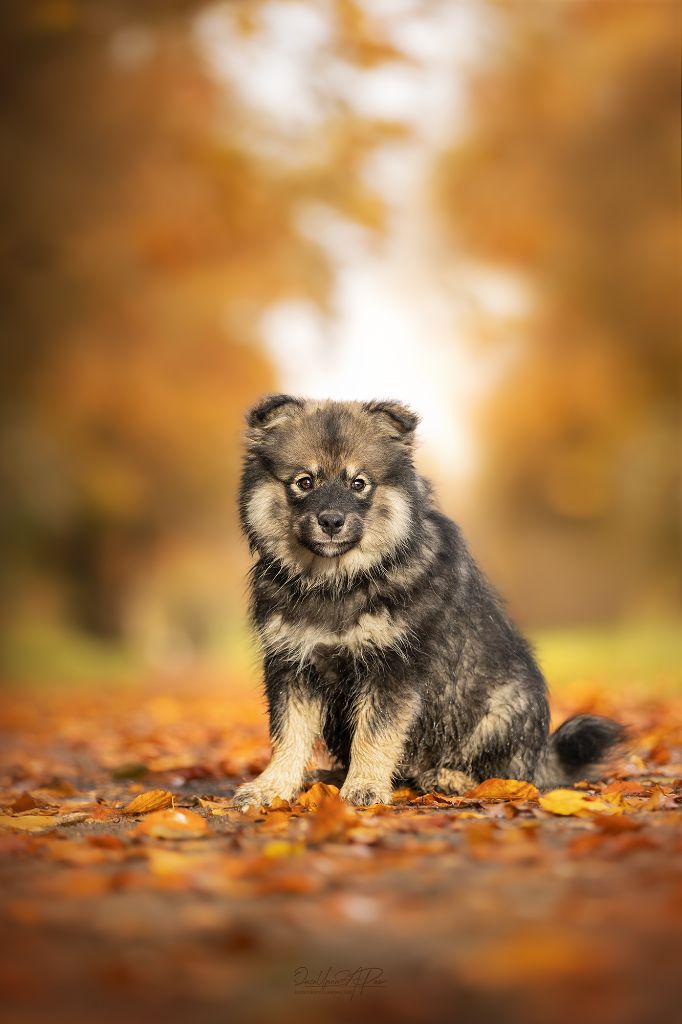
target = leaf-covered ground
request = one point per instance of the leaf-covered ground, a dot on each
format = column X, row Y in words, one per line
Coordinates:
column 132, row 890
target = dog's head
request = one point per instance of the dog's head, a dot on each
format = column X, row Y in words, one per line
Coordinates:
column 328, row 480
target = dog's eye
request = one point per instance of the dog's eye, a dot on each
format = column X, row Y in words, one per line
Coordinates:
column 305, row 483
column 358, row 484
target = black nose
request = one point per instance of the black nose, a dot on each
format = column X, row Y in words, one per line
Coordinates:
column 331, row 521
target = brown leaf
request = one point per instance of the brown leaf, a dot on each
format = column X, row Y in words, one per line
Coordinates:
column 152, row 800
column 25, row 802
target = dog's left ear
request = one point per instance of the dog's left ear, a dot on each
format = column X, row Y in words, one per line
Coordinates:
column 272, row 410
column 266, row 415
column 400, row 421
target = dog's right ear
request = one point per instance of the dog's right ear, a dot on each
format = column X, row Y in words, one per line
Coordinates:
column 270, row 412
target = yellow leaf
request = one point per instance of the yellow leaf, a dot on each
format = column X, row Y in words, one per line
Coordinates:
column 40, row 822
column 572, row 802
column 504, row 789
column 152, row 800
column 29, row 822
column 277, row 848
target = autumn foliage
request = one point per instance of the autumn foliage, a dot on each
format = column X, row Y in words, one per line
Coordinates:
column 131, row 884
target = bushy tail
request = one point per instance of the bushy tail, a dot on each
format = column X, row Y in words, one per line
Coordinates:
column 578, row 750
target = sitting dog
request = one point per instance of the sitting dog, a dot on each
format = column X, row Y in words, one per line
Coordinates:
column 380, row 634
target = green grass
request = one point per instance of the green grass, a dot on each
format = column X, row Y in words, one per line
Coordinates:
column 46, row 653
column 646, row 657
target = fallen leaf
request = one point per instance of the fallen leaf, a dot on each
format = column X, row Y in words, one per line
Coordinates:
column 173, row 823
column 404, row 794
column 571, row 802
column 629, row 786
column 277, row 848
column 80, row 854
column 316, row 795
column 40, row 822
column 25, row 802
column 331, row 820
column 29, row 822
column 504, row 789
column 279, row 805
column 277, row 821
column 152, row 800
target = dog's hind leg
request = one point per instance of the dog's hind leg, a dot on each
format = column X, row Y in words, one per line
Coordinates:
column 445, row 780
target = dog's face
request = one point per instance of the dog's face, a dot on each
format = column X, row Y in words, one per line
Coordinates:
column 328, row 485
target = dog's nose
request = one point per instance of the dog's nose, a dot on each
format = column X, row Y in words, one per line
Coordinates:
column 331, row 521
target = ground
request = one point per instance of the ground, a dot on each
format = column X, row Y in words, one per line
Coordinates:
column 133, row 891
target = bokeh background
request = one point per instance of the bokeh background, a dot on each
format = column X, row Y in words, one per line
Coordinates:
column 469, row 205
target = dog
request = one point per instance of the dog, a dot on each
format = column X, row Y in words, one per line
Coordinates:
column 380, row 634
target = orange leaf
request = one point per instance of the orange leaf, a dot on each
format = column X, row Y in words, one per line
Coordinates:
column 279, row 805
column 332, row 819
column 173, row 823
column 39, row 822
column 29, row 822
column 316, row 795
column 504, row 789
column 152, row 800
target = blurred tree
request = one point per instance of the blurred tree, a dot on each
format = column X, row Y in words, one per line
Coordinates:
column 143, row 238
column 568, row 176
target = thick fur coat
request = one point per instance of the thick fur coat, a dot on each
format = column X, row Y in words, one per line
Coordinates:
column 379, row 632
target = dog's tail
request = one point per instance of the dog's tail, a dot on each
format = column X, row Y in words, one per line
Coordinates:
column 578, row 750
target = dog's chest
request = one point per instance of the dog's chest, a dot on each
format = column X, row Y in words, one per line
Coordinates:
column 321, row 632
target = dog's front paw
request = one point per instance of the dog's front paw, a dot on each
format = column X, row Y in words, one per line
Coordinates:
column 362, row 794
column 261, row 793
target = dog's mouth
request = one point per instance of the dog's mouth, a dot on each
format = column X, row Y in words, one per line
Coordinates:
column 330, row 548
column 308, row 533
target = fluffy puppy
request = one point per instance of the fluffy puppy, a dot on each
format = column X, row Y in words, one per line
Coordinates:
column 380, row 634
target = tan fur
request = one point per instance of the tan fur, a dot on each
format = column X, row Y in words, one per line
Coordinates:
column 407, row 576
column 291, row 751
column 376, row 752
column 266, row 513
column 301, row 641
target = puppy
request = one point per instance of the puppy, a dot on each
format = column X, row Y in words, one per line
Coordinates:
column 380, row 634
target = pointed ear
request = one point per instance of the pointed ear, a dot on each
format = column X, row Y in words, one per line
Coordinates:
column 271, row 410
column 397, row 418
